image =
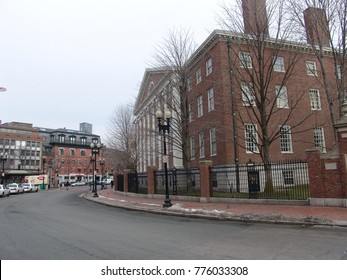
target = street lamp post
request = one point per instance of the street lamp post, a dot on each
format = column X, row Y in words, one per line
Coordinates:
column 3, row 159
column 165, row 128
column 95, row 151
column 174, row 181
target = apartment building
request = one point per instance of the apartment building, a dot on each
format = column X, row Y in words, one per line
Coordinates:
column 67, row 154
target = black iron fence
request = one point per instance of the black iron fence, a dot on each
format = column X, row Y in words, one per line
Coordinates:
column 277, row 180
column 287, row 180
column 184, row 182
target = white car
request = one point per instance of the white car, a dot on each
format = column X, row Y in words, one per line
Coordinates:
column 4, row 191
column 78, row 183
column 29, row 187
column 15, row 188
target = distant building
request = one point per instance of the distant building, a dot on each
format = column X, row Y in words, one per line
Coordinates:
column 23, row 146
column 63, row 154
column 86, row 128
column 66, row 154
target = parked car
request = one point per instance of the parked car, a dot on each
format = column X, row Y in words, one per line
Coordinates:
column 30, row 187
column 15, row 188
column 78, row 183
column 4, row 191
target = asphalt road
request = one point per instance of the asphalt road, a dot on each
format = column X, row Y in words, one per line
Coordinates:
column 61, row 225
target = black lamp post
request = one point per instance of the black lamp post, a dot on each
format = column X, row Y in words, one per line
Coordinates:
column 95, row 151
column 3, row 158
column 165, row 128
column 174, row 181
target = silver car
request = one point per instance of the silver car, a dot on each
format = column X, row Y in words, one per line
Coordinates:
column 4, row 191
column 78, row 183
column 15, row 188
column 29, row 187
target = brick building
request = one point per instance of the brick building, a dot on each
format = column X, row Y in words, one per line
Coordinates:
column 66, row 154
column 62, row 154
column 22, row 145
column 224, row 97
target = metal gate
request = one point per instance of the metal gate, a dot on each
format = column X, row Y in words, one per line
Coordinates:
column 133, row 183
column 120, row 182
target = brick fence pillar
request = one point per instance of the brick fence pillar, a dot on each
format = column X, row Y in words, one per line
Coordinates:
column 315, row 172
column 115, row 182
column 151, row 179
column 205, row 179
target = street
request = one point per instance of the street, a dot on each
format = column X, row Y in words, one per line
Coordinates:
column 62, row 225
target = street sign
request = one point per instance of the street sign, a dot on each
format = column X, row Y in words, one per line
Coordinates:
column 41, row 178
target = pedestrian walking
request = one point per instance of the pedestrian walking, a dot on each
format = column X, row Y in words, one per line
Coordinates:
column 67, row 184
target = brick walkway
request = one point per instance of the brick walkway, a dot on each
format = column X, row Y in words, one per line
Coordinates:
column 285, row 214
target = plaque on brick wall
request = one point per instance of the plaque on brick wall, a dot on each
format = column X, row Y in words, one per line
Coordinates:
column 331, row 166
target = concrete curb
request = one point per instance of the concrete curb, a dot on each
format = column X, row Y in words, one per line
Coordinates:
column 222, row 216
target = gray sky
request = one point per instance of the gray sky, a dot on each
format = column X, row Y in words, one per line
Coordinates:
column 64, row 62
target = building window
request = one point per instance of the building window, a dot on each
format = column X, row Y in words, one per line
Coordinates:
column 209, row 66
column 311, row 68
column 61, row 151
column 338, row 72
column 210, row 95
column 198, row 75
column 83, row 140
column 61, row 138
column 200, row 107
column 315, row 99
column 213, row 142
column 192, row 148
column 72, row 152
column 189, row 84
column 319, row 140
column 248, row 98
column 202, row 144
column 288, row 177
column 282, row 96
column 245, row 60
column 286, row 139
column 251, row 138
column 72, row 139
column 83, row 153
column 190, row 112
column 278, row 64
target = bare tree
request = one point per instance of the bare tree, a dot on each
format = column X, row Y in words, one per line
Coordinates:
column 121, row 137
column 173, row 54
column 259, row 36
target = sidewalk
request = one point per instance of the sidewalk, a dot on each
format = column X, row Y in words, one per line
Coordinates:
column 276, row 214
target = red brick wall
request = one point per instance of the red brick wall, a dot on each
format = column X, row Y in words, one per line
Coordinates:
column 327, row 173
column 297, row 86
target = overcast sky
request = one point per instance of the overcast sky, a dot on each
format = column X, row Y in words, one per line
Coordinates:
column 64, row 62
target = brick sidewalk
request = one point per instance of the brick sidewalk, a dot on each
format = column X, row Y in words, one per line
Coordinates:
column 285, row 214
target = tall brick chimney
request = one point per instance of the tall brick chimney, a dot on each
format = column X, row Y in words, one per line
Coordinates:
column 255, row 17
column 317, row 28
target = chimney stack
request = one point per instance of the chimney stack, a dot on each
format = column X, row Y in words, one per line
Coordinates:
column 255, row 17
column 317, row 28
